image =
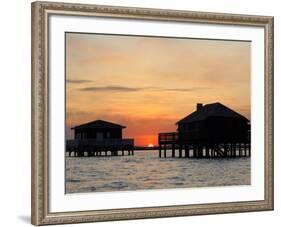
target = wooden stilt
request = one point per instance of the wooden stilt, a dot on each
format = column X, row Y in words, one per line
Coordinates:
column 207, row 151
column 186, row 150
column 201, row 149
column 173, row 150
column 180, row 151
column 239, row 149
column 195, row 151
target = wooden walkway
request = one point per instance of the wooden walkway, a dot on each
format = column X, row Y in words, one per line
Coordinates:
column 106, row 147
column 171, row 146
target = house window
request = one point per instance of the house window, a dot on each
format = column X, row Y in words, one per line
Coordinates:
column 99, row 136
column 78, row 136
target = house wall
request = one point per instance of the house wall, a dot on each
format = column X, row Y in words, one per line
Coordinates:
column 226, row 130
column 215, row 130
column 106, row 133
column 189, row 132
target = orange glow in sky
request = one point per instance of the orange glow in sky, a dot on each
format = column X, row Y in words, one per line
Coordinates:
column 149, row 83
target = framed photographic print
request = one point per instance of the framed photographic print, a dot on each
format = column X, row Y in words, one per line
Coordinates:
column 147, row 113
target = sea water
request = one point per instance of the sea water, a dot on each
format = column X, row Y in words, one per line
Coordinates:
column 145, row 170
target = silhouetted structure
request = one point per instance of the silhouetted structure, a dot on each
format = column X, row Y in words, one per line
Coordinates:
column 213, row 130
column 98, row 130
column 97, row 138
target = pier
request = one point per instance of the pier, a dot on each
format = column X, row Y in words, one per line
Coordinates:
column 97, row 148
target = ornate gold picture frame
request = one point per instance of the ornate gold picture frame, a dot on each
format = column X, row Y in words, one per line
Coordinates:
column 41, row 77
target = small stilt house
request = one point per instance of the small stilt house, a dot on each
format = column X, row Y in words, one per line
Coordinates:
column 99, row 138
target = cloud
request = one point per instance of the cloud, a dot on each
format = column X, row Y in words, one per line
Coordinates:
column 78, row 81
column 186, row 89
column 111, row 88
column 134, row 89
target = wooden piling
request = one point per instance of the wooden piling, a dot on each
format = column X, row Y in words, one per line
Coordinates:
column 173, row 150
column 180, row 152
column 186, row 150
column 207, row 151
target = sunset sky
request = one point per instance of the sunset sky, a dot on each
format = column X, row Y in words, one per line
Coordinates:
column 148, row 83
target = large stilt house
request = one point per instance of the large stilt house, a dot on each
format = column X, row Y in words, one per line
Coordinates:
column 212, row 130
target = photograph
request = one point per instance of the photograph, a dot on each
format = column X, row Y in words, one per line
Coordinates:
column 156, row 112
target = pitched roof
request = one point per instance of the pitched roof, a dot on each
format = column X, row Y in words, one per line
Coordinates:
column 211, row 110
column 99, row 124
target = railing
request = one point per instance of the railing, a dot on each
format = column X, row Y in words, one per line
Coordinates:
column 168, row 137
column 97, row 143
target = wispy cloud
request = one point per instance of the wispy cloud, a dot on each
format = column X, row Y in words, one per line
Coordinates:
column 111, row 88
column 134, row 89
column 186, row 89
column 78, row 81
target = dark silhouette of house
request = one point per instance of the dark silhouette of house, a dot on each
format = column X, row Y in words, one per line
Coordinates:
column 213, row 123
column 98, row 130
column 98, row 138
column 212, row 130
